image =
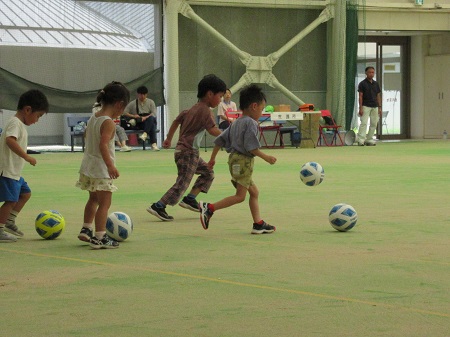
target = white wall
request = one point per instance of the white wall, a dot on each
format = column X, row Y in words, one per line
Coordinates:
column 69, row 69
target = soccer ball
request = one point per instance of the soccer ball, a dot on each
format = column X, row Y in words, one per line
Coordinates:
column 49, row 224
column 119, row 226
column 312, row 173
column 343, row 217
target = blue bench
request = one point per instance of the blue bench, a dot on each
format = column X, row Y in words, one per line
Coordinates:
column 73, row 122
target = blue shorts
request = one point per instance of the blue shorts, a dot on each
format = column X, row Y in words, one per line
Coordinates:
column 11, row 189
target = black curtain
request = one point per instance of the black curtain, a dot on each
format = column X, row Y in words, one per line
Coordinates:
column 63, row 101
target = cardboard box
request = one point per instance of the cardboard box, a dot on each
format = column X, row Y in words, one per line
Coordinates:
column 310, row 130
column 283, row 108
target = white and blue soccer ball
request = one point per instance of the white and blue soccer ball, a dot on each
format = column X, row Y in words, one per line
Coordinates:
column 119, row 226
column 49, row 224
column 343, row 217
column 312, row 173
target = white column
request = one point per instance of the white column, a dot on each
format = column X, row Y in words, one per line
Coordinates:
column 171, row 68
column 419, row 45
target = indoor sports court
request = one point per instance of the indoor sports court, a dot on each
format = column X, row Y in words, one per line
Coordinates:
column 386, row 276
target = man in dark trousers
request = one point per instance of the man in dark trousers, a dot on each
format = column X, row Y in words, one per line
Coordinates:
column 143, row 112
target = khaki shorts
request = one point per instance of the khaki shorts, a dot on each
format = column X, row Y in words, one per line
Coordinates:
column 95, row 184
column 241, row 169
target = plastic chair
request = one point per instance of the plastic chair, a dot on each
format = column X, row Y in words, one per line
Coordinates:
column 229, row 114
column 330, row 126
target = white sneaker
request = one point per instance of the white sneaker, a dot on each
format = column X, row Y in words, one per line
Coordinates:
column 6, row 237
column 13, row 229
column 125, row 149
column 143, row 136
column 155, row 147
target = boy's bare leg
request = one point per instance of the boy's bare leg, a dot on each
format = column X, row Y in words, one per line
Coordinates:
column 23, row 199
column 6, row 208
column 239, row 197
column 254, row 203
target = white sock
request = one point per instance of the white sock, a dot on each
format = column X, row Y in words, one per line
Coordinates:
column 100, row 235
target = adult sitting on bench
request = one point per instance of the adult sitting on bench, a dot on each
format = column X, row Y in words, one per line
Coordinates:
column 140, row 114
column 224, row 107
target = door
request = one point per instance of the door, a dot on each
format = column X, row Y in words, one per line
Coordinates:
column 437, row 96
column 388, row 56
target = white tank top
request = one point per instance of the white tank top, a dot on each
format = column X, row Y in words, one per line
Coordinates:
column 93, row 164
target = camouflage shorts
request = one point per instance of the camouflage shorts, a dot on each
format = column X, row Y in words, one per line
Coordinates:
column 241, row 169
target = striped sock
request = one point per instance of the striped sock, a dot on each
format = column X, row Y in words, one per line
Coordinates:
column 12, row 218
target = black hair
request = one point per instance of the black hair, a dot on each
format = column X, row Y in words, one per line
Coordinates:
column 112, row 93
column 35, row 99
column 369, row 67
column 142, row 90
column 210, row 82
column 250, row 94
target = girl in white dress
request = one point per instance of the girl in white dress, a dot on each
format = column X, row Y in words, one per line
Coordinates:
column 98, row 168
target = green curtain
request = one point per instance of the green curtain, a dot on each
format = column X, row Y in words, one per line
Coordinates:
column 63, row 101
column 351, row 60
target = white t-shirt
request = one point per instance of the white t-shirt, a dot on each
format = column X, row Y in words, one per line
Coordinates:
column 93, row 164
column 224, row 107
column 146, row 107
column 11, row 164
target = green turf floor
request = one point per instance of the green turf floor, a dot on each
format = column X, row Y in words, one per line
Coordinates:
column 388, row 276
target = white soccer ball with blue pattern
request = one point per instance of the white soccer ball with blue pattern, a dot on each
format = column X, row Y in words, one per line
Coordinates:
column 343, row 217
column 119, row 226
column 312, row 173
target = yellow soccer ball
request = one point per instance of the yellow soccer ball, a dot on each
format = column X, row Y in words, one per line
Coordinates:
column 49, row 224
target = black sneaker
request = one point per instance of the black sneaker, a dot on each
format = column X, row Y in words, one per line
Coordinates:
column 85, row 234
column 190, row 204
column 105, row 243
column 205, row 215
column 262, row 229
column 159, row 212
